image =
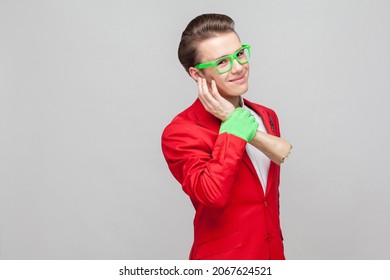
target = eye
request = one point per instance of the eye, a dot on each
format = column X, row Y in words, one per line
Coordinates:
column 241, row 53
column 223, row 62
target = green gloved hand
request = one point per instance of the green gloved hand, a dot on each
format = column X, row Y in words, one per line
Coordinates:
column 240, row 123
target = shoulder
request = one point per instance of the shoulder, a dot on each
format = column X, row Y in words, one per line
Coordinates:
column 186, row 136
column 189, row 125
column 183, row 120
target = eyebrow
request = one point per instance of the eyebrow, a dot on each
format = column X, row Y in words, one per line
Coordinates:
column 228, row 54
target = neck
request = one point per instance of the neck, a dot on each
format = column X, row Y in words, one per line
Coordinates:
column 235, row 100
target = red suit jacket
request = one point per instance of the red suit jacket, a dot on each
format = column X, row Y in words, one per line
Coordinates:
column 234, row 218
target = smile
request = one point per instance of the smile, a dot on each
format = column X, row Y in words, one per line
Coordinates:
column 238, row 80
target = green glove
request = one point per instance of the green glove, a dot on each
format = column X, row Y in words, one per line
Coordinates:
column 241, row 124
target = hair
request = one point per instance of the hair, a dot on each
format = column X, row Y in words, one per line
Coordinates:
column 199, row 29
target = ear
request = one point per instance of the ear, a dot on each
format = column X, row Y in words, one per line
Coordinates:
column 195, row 73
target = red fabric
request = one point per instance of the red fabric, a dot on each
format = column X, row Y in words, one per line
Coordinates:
column 234, row 219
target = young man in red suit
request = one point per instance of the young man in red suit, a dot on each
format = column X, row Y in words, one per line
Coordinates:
column 224, row 150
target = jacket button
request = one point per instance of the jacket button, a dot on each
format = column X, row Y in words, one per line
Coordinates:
column 265, row 203
column 268, row 238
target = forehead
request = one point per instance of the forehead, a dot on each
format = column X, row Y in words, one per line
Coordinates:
column 220, row 45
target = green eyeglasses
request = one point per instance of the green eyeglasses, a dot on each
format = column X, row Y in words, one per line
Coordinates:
column 224, row 64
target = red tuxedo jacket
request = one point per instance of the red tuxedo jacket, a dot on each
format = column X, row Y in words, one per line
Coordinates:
column 234, row 218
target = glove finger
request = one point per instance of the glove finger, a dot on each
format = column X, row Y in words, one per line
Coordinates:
column 246, row 113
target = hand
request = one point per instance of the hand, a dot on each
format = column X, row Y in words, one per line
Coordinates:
column 212, row 101
column 240, row 123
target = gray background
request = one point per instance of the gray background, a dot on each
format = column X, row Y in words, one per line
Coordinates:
column 88, row 86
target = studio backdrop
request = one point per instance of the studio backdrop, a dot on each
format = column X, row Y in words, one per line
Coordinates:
column 87, row 87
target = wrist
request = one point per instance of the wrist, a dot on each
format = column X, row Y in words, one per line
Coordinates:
column 225, row 115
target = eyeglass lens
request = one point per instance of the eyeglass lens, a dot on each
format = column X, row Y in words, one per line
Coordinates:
column 225, row 63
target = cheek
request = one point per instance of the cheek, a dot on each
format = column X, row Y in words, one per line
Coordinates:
column 218, row 79
column 223, row 83
column 223, row 86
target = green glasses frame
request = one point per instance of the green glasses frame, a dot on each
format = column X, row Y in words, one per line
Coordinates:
column 231, row 57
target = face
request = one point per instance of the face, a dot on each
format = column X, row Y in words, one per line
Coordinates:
column 232, row 84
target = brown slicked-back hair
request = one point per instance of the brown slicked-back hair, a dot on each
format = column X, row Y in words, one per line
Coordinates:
column 200, row 28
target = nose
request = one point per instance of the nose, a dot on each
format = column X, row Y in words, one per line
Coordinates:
column 236, row 67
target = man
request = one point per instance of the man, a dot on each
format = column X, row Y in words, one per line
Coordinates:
column 224, row 150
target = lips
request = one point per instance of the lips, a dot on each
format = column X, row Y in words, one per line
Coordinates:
column 239, row 79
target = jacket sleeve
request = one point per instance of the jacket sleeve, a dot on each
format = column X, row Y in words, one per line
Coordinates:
column 205, row 171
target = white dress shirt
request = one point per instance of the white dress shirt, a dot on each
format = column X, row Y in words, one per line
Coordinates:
column 259, row 160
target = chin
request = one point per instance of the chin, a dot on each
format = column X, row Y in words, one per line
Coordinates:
column 240, row 91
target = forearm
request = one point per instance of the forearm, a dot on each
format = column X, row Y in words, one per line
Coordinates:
column 210, row 182
column 275, row 148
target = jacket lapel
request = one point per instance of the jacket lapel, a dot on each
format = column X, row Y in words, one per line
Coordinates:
column 269, row 123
